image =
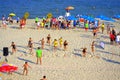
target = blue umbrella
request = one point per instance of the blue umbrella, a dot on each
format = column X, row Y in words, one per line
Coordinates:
column 116, row 16
column 102, row 17
column 87, row 18
column 71, row 18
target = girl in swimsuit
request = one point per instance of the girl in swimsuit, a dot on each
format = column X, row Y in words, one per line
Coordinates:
column 48, row 39
column 84, row 52
column 61, row 42
column 55, row 43
column 30, row 45
column 65, row 45
column 13, row 47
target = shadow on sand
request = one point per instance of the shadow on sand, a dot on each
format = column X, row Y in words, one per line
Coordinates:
column 77, row 52
column 111, row 61
column 22, row 59
column 108, row 52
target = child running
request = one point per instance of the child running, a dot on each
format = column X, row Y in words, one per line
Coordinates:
column 25, row 68
column 61, row 42
column 84, row 52
column 55, row 43
column 65, row 45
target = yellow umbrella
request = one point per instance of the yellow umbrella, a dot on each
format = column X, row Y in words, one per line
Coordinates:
column 26, row 15
column 69, row 8
column 49, row 15
column 12, row 14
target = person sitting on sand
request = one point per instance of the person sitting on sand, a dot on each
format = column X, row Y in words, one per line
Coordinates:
column 25, row 68
column 48, row 39
column 44, row 78
column 13, row 47
column 39, row 55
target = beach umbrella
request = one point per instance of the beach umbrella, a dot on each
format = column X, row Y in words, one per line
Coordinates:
column 26, row 15
column 49, row 15
column 71, row 18
column 116, row 16
column 102, row 17
column 12, row 14
column 8, row 68
column 69, row 8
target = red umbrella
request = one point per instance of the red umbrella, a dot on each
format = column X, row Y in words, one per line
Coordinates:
column 8, row 68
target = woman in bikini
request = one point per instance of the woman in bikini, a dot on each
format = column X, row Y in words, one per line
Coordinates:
column 84, row 52
column 48, row 39
column 65, row 45
column 13, row 47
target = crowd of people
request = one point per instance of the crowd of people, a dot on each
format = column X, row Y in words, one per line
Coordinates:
column 57, row 24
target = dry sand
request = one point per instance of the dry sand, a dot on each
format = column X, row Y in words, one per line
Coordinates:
column 55, row 66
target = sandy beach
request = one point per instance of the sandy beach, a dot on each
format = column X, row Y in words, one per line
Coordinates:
column 105, row 65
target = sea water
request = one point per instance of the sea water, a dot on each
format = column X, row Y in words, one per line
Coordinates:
column 41, row 8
